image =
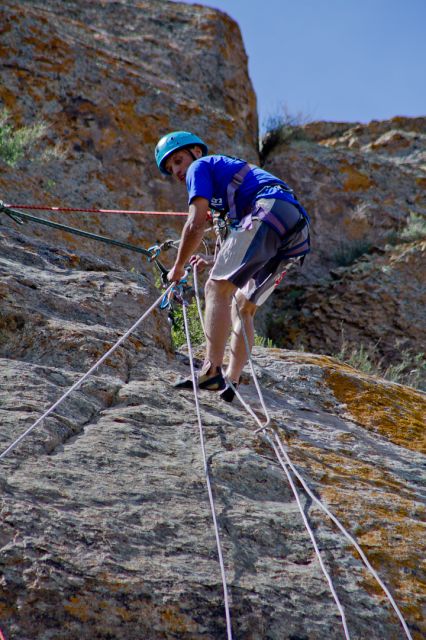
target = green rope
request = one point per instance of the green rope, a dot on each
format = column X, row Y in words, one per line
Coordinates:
column 14, row 214
column 19, row 217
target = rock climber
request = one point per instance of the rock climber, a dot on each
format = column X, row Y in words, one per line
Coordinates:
column 269, row 229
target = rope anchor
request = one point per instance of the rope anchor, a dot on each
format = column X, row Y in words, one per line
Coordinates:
column 9, row 212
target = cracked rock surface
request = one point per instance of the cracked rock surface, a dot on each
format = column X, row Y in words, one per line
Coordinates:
column 105, row 528
column 105, row 523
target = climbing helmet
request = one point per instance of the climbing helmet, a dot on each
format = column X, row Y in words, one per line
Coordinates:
column 174, row 141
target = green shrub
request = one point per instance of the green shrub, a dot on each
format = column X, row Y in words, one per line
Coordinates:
column 358, row 357
column 178, row 326
column 410, row 370
column 19, row 144
column 196, row 330
column 261, row 341
column 16, row 143
column 282, row 128
column 415, row 228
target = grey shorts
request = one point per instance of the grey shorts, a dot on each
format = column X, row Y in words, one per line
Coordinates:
column 254, row 260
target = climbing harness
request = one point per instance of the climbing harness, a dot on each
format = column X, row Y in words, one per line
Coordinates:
column 223, row 221
column 257, row 211
column 234, row 185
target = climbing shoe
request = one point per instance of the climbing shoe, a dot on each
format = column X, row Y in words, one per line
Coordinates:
column 210, row 382
column 228, row 394
column 184, row 383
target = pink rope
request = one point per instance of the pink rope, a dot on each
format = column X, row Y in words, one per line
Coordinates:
column 74, row 209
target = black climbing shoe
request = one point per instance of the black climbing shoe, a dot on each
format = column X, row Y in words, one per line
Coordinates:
column 228, row 394
column 204, row 381
column 184, row 383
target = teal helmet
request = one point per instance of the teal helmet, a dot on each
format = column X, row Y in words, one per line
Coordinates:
column 173, row 141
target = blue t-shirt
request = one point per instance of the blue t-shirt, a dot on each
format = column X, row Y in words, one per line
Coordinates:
column 209, row 177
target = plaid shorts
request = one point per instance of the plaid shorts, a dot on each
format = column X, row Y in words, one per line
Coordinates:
column 255, row 259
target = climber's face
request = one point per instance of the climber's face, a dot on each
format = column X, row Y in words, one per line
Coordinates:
column 178, row 162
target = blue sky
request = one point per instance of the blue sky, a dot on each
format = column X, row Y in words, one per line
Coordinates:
column 337, row 60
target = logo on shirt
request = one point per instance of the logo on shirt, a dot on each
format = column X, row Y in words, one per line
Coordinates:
column 216, row 202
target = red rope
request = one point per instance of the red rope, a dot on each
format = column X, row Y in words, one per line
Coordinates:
column 70, row 209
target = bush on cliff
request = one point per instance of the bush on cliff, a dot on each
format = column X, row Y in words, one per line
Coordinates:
column 17, row 144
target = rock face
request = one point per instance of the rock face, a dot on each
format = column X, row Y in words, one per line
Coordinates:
column 364, row 187
column 105, row 524
column 106, row 528
column 355, row 187
column 379, row 302
column 109, row 79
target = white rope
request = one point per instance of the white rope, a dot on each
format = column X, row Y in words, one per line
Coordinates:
column 316, row 500
column 262, row 428
column 322, row 506
column 289, row 478
column 327, row 511
column 206, row 472
column 305, row 520
column 86, row 375
column 314, row 542
column 346, row 534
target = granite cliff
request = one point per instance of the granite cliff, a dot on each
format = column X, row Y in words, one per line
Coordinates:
column 105, row 525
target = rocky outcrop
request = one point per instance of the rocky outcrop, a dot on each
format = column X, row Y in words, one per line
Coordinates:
column 401, row 139
column 109, row 79
column 357, row 188
column 106, row 529
column 364, row 281
column 379, row 302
